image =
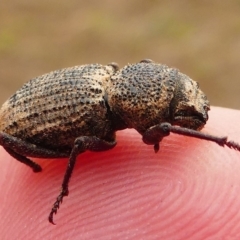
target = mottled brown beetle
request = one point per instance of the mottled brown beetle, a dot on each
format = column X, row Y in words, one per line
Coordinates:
column 66, row 112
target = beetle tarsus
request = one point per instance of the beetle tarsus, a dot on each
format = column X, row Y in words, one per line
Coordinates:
column 56, row 205
column 232, row 144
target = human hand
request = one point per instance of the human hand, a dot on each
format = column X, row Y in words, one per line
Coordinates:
column 190, row 189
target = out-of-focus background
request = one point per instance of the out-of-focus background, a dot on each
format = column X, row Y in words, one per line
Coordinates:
column 201, row 38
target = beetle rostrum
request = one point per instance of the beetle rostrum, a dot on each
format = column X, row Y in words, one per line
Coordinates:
column 72, row 110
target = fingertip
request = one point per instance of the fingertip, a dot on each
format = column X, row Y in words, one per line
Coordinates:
column 130, row 189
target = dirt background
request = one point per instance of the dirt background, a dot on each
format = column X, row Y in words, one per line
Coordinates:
column 201, row 38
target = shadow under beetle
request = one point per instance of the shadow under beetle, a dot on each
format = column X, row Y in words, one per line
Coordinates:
column 72, row 110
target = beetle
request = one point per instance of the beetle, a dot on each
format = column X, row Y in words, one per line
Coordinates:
column 69, row 111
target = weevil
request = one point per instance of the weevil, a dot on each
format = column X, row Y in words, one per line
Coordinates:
column 69, row 111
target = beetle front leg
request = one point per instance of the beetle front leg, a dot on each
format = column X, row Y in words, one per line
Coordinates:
column 155, row 134
column 81, row 144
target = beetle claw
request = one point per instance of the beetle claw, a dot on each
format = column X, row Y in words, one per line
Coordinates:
column 50, row 218
column 54, row 210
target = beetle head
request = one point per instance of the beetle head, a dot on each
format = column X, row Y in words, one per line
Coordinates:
column 189, row 105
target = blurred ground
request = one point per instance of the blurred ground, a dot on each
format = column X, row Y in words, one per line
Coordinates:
column 201, row 38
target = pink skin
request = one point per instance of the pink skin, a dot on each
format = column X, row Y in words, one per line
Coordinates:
column 190, row 189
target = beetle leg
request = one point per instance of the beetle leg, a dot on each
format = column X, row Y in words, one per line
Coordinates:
column 156, row 133
column 18, row 149
column 81, row 144
column 35, row 167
